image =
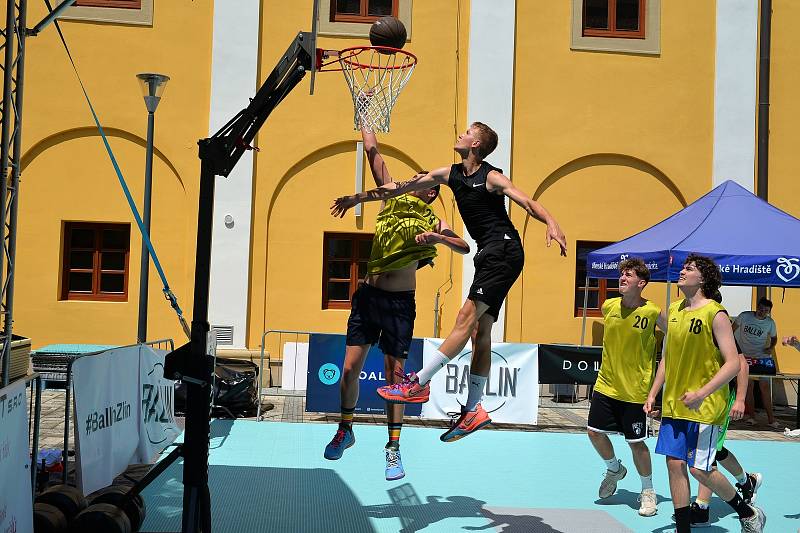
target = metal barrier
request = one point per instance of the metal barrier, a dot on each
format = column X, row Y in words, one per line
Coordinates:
column 168, row 345
column 34, row 419
column 279, row 333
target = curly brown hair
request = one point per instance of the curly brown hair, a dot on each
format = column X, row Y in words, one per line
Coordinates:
column 637, row 265
column 712, row 277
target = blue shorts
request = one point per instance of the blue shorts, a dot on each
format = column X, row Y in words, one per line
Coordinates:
column 688, row 441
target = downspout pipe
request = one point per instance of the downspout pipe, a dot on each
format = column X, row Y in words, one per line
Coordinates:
column 765, row 39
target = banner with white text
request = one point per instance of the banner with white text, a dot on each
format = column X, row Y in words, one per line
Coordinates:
column 106, row 415
column 512, row 390
column 158, row 428
column 16, row 506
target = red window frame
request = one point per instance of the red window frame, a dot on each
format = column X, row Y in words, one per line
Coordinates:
column 354, row 260
column 362, row 16
column 124, row 4
column 612, row 30
column 96, row 294
column 605, row 288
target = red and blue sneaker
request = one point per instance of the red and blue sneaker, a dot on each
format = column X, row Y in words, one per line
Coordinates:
column 407, row 391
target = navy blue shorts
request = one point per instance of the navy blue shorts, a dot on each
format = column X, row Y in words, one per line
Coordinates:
column 382, row 317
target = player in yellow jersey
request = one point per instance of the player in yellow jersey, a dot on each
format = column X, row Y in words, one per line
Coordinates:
column 747, row 483
column 699, row 361
column 629, row 361
column 384, row 307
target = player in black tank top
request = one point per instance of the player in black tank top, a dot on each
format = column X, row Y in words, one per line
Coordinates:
column 480, row 190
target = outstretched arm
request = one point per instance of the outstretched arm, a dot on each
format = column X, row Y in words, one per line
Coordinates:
column 496, row 182
column 390, row 190
column 376, row 163
column 444, row 235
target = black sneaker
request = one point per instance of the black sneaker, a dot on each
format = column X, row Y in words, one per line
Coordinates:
column 750, row 487
column 698, row 517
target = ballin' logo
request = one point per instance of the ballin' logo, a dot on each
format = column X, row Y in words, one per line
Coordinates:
column 788, row 269
column 500, row 387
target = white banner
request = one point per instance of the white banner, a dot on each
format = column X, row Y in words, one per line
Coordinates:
column 16, row 506
column 512, row 390
column 106, row 415
column 294, row 371
column 157, row 428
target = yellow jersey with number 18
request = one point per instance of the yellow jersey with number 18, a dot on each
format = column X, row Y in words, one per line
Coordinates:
column 692, row 358
column 629, row 351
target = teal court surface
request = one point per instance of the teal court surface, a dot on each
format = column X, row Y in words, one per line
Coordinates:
column 271, row 477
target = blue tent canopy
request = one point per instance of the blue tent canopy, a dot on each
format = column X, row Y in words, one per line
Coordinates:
column 753, row 242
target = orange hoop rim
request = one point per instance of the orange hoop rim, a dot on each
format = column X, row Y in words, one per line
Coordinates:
column 353, row 51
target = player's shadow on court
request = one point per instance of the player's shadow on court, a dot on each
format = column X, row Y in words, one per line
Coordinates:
column 415, row 515
column 513, row 524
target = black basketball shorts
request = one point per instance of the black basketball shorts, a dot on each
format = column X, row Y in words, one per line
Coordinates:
column 383, row 317
column 609, row 415
column 497, row 267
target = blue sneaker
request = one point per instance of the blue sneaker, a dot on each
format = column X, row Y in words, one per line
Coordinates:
column 394, row 466
column 342, row 440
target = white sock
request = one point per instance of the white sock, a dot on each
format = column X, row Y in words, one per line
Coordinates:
column 476, row 386
column 741, row 478
column 612, row 464
column 647, row 481
column 437, row 362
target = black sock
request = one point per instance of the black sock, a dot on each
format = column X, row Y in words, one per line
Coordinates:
column 741, row 508
column 683, row 523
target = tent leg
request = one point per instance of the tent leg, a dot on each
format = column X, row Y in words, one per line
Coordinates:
column 666, row 312
column 585, row 303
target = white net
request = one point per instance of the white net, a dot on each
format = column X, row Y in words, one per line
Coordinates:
column 375, row 79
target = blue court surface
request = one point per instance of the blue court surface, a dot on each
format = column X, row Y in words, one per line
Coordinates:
column 271, row 477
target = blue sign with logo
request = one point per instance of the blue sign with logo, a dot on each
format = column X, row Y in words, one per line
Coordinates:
column 325, row 359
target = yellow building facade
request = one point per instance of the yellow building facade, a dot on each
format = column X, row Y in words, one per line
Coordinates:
column 611, row 134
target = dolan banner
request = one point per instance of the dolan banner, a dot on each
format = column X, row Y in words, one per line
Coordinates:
column 568, row 364
column 511, row 394
column 325, row 360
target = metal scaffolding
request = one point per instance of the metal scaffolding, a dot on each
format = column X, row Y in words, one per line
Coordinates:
column 13, row 66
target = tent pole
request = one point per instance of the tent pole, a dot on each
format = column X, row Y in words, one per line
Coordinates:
column 585, row 303
column 666, row 312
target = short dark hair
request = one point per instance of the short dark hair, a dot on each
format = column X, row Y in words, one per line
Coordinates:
column 637, row 265
column 712, row 277
column 766, row 302
column 437, row 189
column 487, row 137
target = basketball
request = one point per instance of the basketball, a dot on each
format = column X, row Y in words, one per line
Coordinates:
column 388, row 31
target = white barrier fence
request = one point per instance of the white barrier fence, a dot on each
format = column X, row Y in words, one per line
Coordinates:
column 124, row 412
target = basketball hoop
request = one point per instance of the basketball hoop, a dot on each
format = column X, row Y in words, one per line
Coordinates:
column 375, row 76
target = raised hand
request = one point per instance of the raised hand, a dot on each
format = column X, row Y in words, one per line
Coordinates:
column 342, row 204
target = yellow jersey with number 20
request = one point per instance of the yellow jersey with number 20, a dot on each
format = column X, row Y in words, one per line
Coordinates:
column 691, row 360
column 629, row 351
